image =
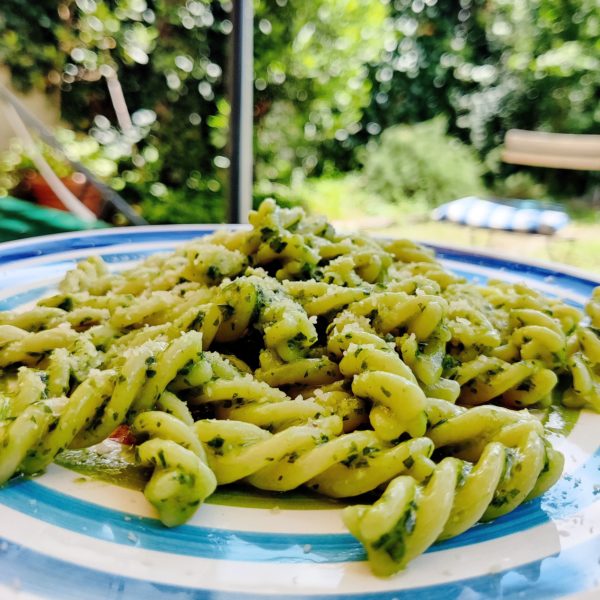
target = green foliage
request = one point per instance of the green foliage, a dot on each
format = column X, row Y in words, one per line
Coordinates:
column 430, row 49
column 87, row 44
column 488, row 66
column 29, row 44
column 330, row 76
column 551, row 57
column 15, row 164
column 520, row 185
column 178, row 206
column 548, row 79
column 108, row 152
column 311, row 82
column 421, row 164
column 169, row 57
column 342, row 198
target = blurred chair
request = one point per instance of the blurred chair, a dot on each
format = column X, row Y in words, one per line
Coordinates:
column 533, row 149
column 552, row 150
column 23, row 121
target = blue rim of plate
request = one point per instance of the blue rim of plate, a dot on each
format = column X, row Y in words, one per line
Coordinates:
column 44, row 575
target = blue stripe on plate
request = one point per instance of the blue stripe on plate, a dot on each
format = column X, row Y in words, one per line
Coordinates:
column 111, row 525
column 567, row 572
column 571, row 495
column 574, row 283
column 45, row 245
column 19, row 299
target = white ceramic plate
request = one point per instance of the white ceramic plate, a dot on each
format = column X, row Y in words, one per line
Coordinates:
column 67, row 537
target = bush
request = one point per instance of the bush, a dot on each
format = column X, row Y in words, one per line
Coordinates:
column 421, row 164
column 285, row 195
column 341, row 198
column 520, row 185
column 176, row 206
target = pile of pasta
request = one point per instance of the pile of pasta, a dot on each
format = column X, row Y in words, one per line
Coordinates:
column 288, row 355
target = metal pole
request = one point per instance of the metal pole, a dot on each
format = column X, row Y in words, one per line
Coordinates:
column 69, row 200
column 242, row 109
column 107, row 193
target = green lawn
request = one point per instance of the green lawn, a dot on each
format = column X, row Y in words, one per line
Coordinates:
column 578, row 245
column 346, row 202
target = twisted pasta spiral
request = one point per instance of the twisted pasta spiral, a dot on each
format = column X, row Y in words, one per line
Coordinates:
column 503, row 462
column 20, row 346
column 181, row 479
column 316, row 454
column 399, row 404
column 516, row 384
column 242, row 397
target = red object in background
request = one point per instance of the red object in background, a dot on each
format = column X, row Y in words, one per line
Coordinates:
column 76, row 183
column 123, row 435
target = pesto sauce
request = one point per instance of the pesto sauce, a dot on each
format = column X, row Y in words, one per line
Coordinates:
column 248, row 497
column 115, row 463
column 558, row 420
column 109, row 461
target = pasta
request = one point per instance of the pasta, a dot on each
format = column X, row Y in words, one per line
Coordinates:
column 288, row 355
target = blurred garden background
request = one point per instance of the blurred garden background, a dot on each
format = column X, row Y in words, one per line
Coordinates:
column 369, row 111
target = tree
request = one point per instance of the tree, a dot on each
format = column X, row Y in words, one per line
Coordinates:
column 431, row 50
column 311, row 81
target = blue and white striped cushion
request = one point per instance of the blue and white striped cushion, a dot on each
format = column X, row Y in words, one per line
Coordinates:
column 520, row 215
